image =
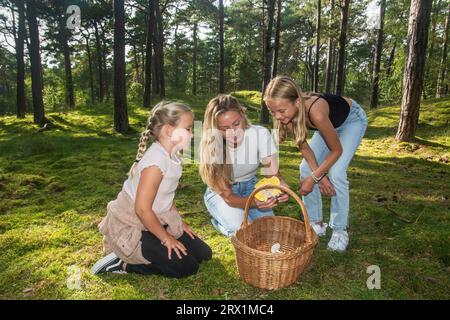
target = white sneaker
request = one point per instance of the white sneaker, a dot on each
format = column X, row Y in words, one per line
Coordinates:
column 320, row 228
column 339, row 241
column 110, row 263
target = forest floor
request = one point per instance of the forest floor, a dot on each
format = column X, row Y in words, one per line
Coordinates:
column 55, row 184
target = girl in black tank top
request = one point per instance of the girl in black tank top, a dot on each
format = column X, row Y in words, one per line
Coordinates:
column 328, row 153
column 339, row 109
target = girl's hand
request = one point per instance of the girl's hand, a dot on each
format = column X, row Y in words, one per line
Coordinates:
column 306, row 186
column 268, row 204
column 189, row 231
column 326, row 188
column 173, row 244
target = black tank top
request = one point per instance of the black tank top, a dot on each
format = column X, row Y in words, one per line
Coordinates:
column 339, row 109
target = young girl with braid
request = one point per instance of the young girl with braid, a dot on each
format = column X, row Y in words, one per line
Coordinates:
column 143, row 231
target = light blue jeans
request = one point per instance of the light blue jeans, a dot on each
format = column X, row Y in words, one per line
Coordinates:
column 350, row 135
column 228, row 219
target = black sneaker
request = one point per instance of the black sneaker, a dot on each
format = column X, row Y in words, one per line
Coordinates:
column 110, row 263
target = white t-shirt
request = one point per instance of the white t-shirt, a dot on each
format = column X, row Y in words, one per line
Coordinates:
column 171, row 169
column 257, row 144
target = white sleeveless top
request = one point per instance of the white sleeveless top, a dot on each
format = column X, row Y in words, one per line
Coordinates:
column 171, row 169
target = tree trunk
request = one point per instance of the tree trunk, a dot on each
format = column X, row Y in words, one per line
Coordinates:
column 221, row 49
column 176, row 54
column 379, row 49
column 342, row 42
column 316, row 60
column 310, row 69
column 155, row 76
column 334, row 73
column 194, row 61
column 277, row 40
column 105, row 67
column 390, row 61
column 63, row 42
column 120, row 98
column 91, row 75
column 264, row 116
column 442, row 80
column 160, row 49
column 101, row 93
column 21, row 99
column 430, row 54
column 329, row 67
column 419, row 21
column 148, row 55
column 36, row 67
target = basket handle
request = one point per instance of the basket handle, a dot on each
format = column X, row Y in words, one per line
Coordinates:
column 291, row 193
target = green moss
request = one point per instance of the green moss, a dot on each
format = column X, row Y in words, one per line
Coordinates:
column 55, row 184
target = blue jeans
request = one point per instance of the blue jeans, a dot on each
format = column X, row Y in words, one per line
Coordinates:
column 350, row 135
column 228, row 219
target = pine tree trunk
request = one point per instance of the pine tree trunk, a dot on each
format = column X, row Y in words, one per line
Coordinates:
column 98, row 48
column 148, row 55
column 310, row 69
column 276, row 48
column 105, row 68
column 36, row 67
column 160, row 49
column 430, row 54
column 221, row 49
column 342, row 41
column 194, row 61
column 63, row 42
column 442, row 80
column 376, row 66
column 120, row 99
column 176, row 54
column 316, row 60
column 21, row 99
column 390, row 61
column 91, row 75
column 329, row 67
column 419, row 21
column 264, row 116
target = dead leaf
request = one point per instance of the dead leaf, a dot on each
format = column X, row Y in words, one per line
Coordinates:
column 443, row 159
column 183, row 186
column 216, row 292
column 162, row 294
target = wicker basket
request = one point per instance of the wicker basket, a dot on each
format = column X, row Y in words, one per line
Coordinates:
column 256, row 264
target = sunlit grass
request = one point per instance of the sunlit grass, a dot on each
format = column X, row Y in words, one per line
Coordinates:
column 55, row 184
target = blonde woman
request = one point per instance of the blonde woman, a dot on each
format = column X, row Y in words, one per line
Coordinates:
column 143, row 231
column 339, row 124
column 231, row 152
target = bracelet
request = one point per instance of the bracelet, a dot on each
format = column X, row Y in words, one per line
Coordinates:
column 164, row 241
column 317, row 180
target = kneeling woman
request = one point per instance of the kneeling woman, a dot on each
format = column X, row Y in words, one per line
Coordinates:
column 231, row 152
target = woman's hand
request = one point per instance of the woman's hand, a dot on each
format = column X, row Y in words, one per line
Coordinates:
column 189, row 230
column 326, row 188
column 268, row 204
column 173, row 244
column 283, row 197
column 306, row 186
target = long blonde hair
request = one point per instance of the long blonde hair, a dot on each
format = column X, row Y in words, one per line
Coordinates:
column 165, row 112
column 213, row 146
column 283, row 87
